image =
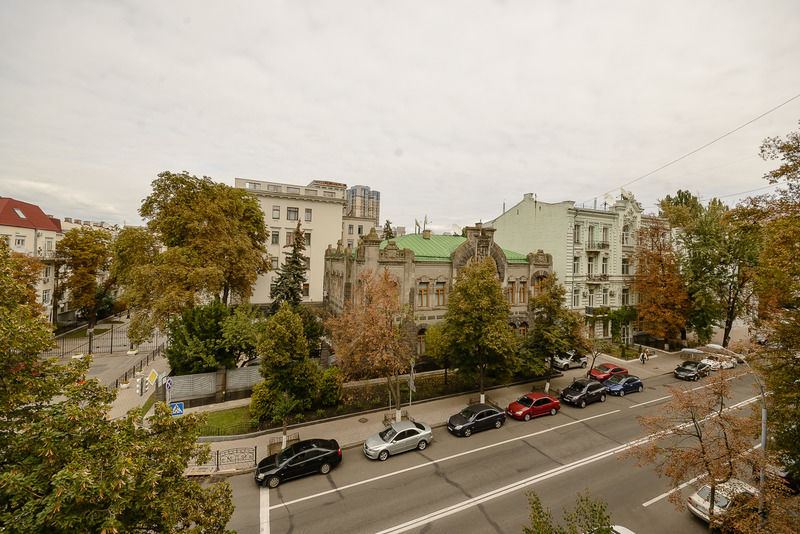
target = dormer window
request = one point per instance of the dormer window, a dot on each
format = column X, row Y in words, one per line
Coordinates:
column 19, row 213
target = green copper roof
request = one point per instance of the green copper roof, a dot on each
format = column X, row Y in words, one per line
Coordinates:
column 440, row 247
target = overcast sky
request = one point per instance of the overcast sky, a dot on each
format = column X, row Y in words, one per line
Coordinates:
column 448, row 108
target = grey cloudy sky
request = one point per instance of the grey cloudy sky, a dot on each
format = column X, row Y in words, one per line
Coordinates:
column 448, row 108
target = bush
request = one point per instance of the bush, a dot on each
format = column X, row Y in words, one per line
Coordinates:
column 330, row 387
column 262, row 402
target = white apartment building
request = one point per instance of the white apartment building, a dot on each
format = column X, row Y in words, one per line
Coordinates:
column 318, row 207
column 592, row 249
column 28, row 230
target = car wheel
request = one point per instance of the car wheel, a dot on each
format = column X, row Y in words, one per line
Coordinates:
column 383, row 456
column 583, row 365
column 467, row 432
column 621, row 393
column 603, row 397
column 641, row 388
column 695, row 378
column 565, row 368
column 498, row 423
column 583, row 403
column 273, row 481
column 422, row 445
column 553, row 411
column 325, row 468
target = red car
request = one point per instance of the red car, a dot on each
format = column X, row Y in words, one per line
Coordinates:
column 533, row 405
column 604, row 371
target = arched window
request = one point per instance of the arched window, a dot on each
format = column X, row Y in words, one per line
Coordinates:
column 523, row 329
column 421, row 342
column 626, row 234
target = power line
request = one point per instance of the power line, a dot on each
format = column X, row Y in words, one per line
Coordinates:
column 700, row 148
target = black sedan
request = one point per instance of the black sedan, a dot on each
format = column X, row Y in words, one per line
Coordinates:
column 690, row 370
column 301, row 459
column 584, row 391
column 475, row 418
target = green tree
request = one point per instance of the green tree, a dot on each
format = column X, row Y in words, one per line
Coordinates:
column 196, row 343
column 588, row 515
column 291, row 377
column 66, row 467
column 205, row 240
column 682, row 210
column 663, row 301
column 87, row 255
column 554, row 329
column 372, row 336
column 292, row 274
column 240, row 331
column 475, row 326
column 388, row 233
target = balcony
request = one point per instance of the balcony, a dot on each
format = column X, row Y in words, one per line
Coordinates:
column 593, row 311
column 596, row 246
column 594, row 278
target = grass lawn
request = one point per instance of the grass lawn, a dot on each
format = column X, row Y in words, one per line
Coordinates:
column 224, row 418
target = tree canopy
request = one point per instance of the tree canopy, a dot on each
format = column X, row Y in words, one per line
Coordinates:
column 292, row 274
column 196, row 341
column 588, row 515
column 87, row 254
column 66, row 466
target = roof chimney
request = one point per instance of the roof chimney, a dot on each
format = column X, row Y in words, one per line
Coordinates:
column 426, row 234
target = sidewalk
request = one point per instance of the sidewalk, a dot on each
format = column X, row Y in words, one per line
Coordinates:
column 351, row 431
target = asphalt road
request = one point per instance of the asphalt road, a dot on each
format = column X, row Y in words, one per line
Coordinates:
column 479, row 484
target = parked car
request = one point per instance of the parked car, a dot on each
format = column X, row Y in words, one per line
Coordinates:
column 622, row 384
column 570, row 360
column 533, row 405
column 718, row 361
column 475, row 418
column 690, row 370
column 400, row 436
column 725, row 496
column 301, row 459
column 604, row 371
column 584, row 391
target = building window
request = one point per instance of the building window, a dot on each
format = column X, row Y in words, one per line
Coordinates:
column 422, row 295
column 626, row 297
column 311, row 192
column 276, row 212
column 48, row 244
column 590, row 266
column 328, row 194
column 605, row 296
column 308, row 214
column 591, row 298
column 626, row 266
column 349, row 229
column 46, row 297
column 350, row 243
column 421, row 342
column 590, row 236
column 292, row 213
column 307, row 262
column 576, row 298
column 305, row 290
column 604, row 265
column 523, row 292
column 626, row 235
column 605, row 328
column 19, row 213
column 289, row 238
column 510, row 292
column 441, row 299
column 360, row 229
column 576, row 233
column 294, row 190
column 19, row 241
column 47, row 271
column 307, row 235
column 523, row 329
column 576, row 265
column 276, row 238
column 273, row 188
column 274, row 263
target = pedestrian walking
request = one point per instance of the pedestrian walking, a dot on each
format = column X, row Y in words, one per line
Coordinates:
column 643, row 356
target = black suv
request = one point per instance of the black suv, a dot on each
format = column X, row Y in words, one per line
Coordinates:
column 302, row 458
column 584, row 391
column 690, row 370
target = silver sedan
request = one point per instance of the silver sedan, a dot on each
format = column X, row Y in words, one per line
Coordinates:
column 396, row 438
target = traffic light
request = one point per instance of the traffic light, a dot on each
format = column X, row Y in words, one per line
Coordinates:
column 139, row 386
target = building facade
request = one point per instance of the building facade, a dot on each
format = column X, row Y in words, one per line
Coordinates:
column 593, row 250
column 426, row 266
column 318, row 207
column 363, row 202
column 28, row 230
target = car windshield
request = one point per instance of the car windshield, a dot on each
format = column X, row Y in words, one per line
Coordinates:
column 617, row 379
column 691, row 366
column 387, row 433
column 720, row 500
column 576, row 386
column 525, row 401
column 285, row 454
column 466, row 413
column 605, row 367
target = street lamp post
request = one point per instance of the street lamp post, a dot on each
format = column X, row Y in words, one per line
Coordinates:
column 761, row 511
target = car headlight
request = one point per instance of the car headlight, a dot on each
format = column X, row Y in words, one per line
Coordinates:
column 519, row 412
column 260, row 476
column 458, row 427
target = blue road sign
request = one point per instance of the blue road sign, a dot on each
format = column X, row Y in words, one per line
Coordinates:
column 169, row 384
column 177, row 408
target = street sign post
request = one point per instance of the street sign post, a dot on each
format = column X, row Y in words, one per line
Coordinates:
column 152, row 377
column 169, row 384
column 177, row 408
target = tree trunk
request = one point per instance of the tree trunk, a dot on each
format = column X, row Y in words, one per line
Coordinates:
column 482, row 370
column 283, row 438
column 549, row 371
column 711, row 498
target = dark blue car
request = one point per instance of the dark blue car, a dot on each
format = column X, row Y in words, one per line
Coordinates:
column 622, row 384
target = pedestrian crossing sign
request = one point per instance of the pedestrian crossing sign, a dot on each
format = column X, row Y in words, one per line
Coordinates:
column 177, row 408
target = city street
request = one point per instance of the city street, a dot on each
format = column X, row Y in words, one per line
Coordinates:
column 479, row 484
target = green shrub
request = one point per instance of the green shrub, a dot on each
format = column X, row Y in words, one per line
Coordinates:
column 330, row 387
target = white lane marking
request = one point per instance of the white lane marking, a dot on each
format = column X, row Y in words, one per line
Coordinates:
column 670, row 396
column 515, row 486
column 673, row 490
column 263, row 510
column 440, row 460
